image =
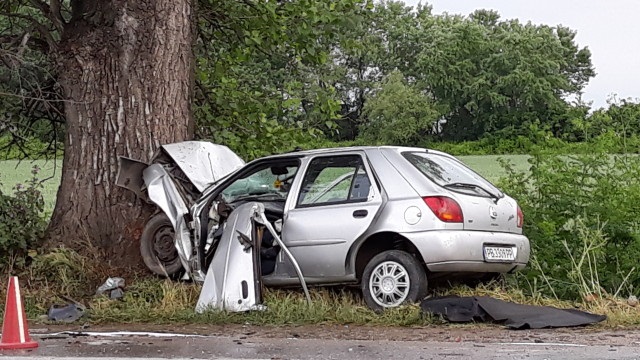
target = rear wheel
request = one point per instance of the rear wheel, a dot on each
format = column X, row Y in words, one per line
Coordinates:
column 392, row 278
column 157, row 247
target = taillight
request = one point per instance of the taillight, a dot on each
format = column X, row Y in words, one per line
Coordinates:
column 445, row 208
column 520, row 218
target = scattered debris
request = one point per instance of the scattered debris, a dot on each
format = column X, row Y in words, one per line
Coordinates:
column 514, row 316
column 113, row 285
column 121, row 333
column 65, row 313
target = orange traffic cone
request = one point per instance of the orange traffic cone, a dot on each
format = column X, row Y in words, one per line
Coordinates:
column 15, row 332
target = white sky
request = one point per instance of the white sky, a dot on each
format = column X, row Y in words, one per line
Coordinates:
column 609, row 28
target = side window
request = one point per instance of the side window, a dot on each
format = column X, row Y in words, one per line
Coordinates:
column 336, row 179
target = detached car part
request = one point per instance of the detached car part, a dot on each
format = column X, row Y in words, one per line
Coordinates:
column 233, row 280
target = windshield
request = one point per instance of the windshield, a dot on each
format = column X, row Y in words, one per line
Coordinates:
column 271, row 181
column 452, row 174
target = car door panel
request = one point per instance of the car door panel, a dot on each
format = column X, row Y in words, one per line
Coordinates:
column 320, row 235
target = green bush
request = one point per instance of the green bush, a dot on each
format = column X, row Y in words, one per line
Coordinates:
column 398, row 113
column 32, row 148
column 22, row 222
column 580, row 207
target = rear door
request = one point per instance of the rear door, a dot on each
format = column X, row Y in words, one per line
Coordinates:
column 336, row 202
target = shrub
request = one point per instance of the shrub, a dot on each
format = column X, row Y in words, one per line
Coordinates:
column 32, row 148
column 21, row 220
column 580, row 207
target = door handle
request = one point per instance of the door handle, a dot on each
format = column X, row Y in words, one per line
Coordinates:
column 360, row 213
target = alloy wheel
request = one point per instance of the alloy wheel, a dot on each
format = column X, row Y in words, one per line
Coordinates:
column 389, row 284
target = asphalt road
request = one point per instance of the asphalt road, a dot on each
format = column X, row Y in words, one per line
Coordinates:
column 463, row 344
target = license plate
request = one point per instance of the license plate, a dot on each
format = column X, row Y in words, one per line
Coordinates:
column 499, row 253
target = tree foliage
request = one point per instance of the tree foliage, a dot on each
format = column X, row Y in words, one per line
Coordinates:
column 498, row 75
column 31, row 113
column 21, row 222
column 620, row 123
column 260, row 78
column 486, row 76
column 399, row 114
column 272, row 75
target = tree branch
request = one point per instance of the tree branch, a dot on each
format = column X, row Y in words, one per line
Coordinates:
column 56, row 15
column 42, row 30
column 23, row 44
column 50, row 12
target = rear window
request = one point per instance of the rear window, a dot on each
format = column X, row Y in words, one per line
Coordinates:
column 451, row 173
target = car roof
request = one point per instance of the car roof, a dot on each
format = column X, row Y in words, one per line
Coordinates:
column 303, row 153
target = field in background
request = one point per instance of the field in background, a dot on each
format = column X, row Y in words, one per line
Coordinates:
column 489, row 166
column 13, row 172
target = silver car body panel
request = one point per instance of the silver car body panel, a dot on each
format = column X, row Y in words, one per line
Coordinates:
column 311, row 232
column 163, row 192
column 456, row 251
column 477, row 210
column 202, row 163
column 233, row 281
column 130, row 176
column 326, row 258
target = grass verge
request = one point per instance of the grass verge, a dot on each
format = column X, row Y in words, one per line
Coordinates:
column 61, row 275
column 155, row 301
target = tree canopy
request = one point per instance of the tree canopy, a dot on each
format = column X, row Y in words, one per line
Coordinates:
column 274, row 74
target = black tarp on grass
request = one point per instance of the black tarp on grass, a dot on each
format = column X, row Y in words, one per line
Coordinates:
column 512, row 315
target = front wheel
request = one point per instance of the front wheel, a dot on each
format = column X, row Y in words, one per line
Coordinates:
column 157, row 247
column 392, row 278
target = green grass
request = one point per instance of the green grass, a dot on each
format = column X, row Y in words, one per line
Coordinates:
column 157, row 301
column 13, row 172
column 489, row 167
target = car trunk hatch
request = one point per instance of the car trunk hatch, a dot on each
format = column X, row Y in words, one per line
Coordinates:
column 489, row 214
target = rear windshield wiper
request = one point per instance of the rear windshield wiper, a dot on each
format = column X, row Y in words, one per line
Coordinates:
column 459, row 185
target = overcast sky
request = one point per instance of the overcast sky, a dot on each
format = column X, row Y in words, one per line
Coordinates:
column 609, row 28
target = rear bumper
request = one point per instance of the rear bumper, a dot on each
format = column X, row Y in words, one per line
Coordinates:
column 462, row 251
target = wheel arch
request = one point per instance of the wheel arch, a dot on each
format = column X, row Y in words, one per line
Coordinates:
column 361, row 253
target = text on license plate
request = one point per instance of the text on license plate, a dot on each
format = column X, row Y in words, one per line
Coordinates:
column 499, row 253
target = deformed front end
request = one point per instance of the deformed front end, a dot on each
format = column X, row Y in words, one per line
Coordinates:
column 174, row 180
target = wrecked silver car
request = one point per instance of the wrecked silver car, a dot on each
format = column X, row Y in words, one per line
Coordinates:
column 388, row 219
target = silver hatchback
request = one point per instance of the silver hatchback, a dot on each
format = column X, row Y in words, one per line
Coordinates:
column 389, row 219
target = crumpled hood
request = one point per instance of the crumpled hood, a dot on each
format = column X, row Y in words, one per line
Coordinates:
column 203, row 162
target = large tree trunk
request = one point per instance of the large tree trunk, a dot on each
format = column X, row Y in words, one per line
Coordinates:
column 126, row 69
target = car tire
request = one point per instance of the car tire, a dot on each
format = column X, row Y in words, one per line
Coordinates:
column 392, row 278
column 157, row 247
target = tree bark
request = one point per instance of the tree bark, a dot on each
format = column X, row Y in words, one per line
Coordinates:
column 126, row 68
